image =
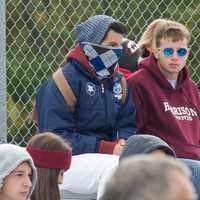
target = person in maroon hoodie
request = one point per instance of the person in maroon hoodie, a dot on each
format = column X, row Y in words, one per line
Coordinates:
column 167, row 100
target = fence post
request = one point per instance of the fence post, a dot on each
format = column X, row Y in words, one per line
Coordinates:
column 3, row 110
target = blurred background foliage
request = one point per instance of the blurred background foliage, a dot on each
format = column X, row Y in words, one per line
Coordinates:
column 39, row 34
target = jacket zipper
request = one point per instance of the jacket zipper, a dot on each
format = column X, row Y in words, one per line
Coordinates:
column 105, row 102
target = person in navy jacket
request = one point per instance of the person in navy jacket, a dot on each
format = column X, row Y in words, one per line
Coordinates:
column 101, row 121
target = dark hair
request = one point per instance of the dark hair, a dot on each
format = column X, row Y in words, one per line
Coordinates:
column 47, row 184
column 117, row 27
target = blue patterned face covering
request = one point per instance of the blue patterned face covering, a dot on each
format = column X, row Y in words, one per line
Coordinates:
column 103, row 59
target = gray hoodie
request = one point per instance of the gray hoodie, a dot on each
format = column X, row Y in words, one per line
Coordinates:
column 10, row 157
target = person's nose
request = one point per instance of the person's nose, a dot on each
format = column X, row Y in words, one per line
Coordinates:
column 27, row 182
column 175, row 55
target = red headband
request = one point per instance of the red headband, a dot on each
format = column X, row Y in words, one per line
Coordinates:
column 50, row 159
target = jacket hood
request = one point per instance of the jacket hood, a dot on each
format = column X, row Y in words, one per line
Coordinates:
column 150, row 64
column 145, row 144
column 11, row 156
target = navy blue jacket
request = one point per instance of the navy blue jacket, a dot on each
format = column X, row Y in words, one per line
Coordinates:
column 98, row 116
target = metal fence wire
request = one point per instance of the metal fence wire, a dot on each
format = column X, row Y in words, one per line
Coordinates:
column 39, row 34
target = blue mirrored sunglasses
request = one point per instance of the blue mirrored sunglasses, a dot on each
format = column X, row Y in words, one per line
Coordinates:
column 181, row 52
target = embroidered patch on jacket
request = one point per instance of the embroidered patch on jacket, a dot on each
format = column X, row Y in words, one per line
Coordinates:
column 117, row 90
column 90, row 88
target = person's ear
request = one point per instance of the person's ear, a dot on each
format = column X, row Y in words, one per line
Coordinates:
column 155, row 52
column 188, row 53
column 150, row 49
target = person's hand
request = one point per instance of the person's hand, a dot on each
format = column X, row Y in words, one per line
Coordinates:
column 119, row 147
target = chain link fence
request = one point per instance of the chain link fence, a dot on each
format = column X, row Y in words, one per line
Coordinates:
column 39, row 34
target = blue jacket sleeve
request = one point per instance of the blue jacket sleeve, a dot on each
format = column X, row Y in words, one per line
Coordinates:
column 126, row 119
column 54, row 115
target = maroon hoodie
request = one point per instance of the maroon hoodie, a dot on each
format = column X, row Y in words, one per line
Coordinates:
column 171, row 114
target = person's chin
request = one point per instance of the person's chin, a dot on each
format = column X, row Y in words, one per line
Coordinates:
column 24, row 195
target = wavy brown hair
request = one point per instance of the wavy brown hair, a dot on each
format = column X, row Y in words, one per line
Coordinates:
column 147, row 40
column 47, row 183
column 156, row 29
